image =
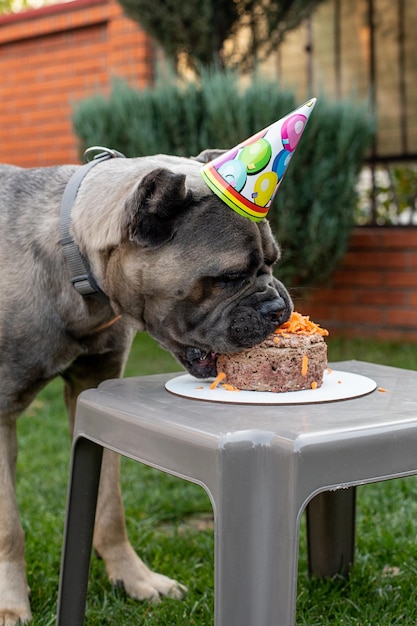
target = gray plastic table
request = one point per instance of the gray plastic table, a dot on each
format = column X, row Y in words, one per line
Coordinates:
column 261, row 466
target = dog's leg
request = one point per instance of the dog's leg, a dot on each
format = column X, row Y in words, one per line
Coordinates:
column 123, row 565
column 14, row 591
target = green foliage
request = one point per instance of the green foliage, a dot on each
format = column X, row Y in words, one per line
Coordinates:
column 195, row 32
column 313, row 211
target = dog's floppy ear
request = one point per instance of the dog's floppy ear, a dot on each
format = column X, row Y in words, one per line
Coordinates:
column 154, row 207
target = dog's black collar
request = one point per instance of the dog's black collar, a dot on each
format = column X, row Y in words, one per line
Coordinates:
column 81, row 277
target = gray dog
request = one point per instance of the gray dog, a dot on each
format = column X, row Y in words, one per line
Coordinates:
column 165, row 255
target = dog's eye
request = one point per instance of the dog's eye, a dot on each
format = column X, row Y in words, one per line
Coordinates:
column 269, row 262
column 234, row 279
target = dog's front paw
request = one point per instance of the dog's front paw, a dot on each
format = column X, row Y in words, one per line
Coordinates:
column 15, row 617
column 126, row 569
column 152, row 586
column 14, row 595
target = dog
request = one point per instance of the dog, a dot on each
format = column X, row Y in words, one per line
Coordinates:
column 167, row 256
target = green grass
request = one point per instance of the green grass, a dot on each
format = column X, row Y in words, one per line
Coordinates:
column 169, row 523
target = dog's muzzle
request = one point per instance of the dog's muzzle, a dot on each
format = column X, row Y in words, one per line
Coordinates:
column 249, row 325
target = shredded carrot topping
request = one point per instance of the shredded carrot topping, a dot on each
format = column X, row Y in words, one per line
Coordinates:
column 314, row 385
column 229, row 387
column 220, row 376
column 304, row 365
column 382, row 389
column 300, row 325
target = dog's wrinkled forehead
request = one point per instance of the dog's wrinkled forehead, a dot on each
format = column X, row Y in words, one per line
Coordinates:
column 200, row 189
column 216, row 239
column 228, row 231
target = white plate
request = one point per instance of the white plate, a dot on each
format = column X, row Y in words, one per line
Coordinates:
column 336, row 386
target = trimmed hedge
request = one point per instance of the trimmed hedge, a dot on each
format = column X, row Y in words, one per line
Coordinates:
column 314, row 208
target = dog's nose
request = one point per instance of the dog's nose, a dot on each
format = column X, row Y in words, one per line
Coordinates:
column 272, row 309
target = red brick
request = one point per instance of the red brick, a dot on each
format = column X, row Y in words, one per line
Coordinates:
column 360, row 314
column 412, row 259
column 318, row 313
column 53, row 57
column 412, row 299
column 365, row 237
column 381, row 297
column 401, row 237
column 385, row 237
column 358, row 278
column 345, row 297
column 375, row 259
column 400, row 279
column 402, row 318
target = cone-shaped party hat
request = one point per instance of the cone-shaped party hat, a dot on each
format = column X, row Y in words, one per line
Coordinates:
column 247, row 177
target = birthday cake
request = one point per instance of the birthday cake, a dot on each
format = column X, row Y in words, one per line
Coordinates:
column 293, row 358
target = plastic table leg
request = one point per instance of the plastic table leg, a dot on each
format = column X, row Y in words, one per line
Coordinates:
column 331, row 532
column 81, row 509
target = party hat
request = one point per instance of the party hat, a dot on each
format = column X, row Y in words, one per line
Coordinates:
column 247, row 177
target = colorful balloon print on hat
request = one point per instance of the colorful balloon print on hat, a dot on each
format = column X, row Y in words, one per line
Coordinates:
column 247, row 177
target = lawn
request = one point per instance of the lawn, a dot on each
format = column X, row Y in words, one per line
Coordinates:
column 170, row 524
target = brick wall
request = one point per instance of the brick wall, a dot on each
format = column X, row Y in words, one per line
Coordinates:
column 52, row 57
column 374, row 291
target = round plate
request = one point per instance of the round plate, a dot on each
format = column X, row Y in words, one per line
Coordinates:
column 336, row 386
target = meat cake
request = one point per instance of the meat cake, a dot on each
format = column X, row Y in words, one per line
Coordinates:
column 294, row 357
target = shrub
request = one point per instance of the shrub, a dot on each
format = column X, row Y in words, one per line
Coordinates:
column 314, row 209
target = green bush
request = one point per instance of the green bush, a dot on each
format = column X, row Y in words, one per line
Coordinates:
column 314, row 209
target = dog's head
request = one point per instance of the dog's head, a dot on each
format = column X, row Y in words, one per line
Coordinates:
column 194, row 272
